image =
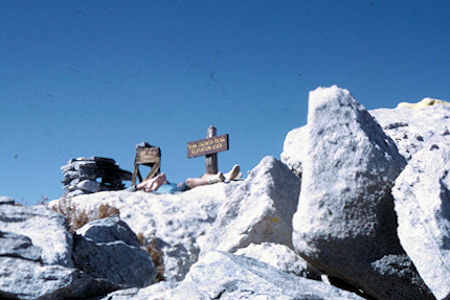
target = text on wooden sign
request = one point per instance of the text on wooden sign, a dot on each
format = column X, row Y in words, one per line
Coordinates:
column 207, row 146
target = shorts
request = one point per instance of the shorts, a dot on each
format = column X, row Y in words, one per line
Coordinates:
column 170, row 188
column 183, row 187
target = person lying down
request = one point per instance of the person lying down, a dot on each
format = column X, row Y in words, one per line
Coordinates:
column 161, row 185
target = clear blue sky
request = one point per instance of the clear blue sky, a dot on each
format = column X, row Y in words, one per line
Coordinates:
column 85, row 78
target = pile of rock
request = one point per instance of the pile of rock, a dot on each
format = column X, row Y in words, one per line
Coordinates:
column 41, row 259
column 81, row 174
column 358, row 209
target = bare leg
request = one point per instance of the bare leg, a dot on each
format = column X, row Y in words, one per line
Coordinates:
column 193, row 182
column 204, row 180
column 234, row 173
column 152, row 184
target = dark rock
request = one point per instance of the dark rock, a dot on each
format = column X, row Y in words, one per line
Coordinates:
column 6, row 200
column 17, row 245
column 112, row 254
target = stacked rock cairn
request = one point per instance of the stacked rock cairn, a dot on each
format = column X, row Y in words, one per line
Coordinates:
column 94, row 174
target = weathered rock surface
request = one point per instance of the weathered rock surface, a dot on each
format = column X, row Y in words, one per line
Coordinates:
column 422, row 203
column 220, row 216
column 409, row 126
column 90, row 175
column 46, row 229
column 228, row 276
column 108, row 249
column 280, row 257
column 235, row 240
column 345, row 223
column 425, row 102
column 294, row 149
column 34, row 266
column 257, row 210
column 412, row 128
column 17, row 245
column 221, row 275
column 173, row 221
column 164, row 290
column 25, row 279
column 109, row 230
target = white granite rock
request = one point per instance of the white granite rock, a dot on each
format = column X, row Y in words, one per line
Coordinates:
column 257, row 210
column 28, row 267
column 412, row 128
column 422, row 203
column 294, row 149
column 174, row 221
column 163, row 290
column 26, row 279
column 45, row 228
column 227, row 276
column 345, row 224
column 221, row 275
column 280, row 257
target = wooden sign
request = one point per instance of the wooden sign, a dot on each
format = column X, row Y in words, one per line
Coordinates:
column 208, row 146
column 148, row 156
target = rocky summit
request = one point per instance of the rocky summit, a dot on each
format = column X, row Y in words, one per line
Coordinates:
column 358, row 207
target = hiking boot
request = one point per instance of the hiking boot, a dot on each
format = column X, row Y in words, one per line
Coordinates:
column 233, row 174
column 216, row 178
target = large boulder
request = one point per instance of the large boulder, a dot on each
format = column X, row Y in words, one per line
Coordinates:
column 221, row 275
column 27, row 279
column 29, row 269
column 173, row 222
column 409, row 126
column 345, row 224
column 422, row 203
column 257, row 210
column 46, row 229
column 108, row 249
column 228, row 276
column 414, row 126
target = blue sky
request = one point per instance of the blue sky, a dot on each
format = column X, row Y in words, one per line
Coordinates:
column 85, row 78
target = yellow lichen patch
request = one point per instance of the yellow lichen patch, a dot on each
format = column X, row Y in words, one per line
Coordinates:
column 275, row 220
column 424, row 103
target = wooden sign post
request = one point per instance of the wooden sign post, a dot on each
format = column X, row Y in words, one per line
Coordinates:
column 148, row 156
column 209, row 147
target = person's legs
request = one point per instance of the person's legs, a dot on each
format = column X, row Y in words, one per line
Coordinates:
column 152, row 184
column 193, row 182
column 234, row 173
column 204, row 180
